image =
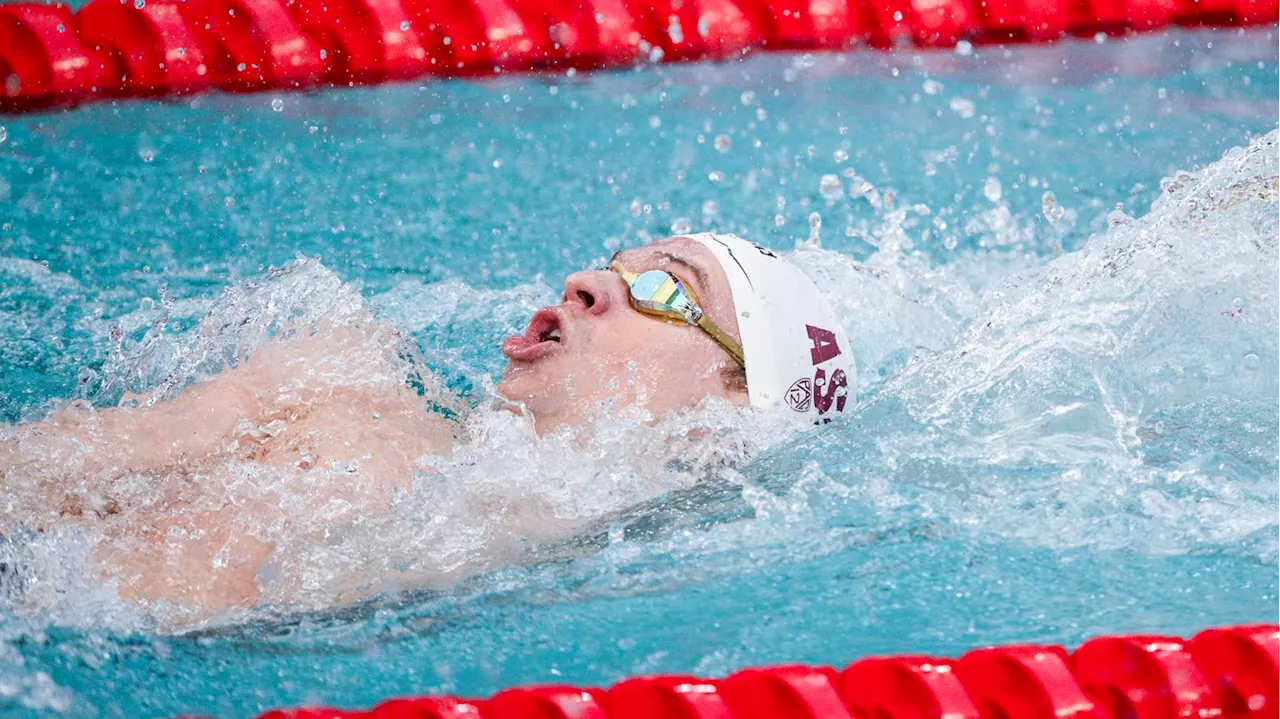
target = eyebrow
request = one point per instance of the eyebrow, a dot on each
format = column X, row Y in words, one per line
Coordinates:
column 698, row 272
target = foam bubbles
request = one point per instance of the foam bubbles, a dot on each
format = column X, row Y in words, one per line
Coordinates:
column 1109, row 398
column 831, row 188
column 1119, row 359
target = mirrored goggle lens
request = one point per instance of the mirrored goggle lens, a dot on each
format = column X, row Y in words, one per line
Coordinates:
column 660, row 292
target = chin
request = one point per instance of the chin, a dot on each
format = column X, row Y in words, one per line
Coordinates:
column 510, row 387
column 525, row 385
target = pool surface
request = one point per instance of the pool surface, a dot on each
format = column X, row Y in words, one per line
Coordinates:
column 1057, row 436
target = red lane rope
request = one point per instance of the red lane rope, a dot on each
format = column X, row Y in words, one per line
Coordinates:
column 1226, row 673
column 121, row 48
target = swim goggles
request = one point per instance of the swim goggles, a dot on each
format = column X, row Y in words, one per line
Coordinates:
column 659, row 294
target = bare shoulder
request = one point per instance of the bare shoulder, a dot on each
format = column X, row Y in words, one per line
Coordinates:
column 337, row 394
column 311, row 398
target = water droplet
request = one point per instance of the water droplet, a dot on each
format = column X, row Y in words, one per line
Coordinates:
column 747, row 98
column 1053, row 212
column 139, row 4
column 831, row 187
column 681, row 226
column 992, row 190
column 779, row 220
column 146, row 149
column 1100, row 37
column 675, row 32
column 324, row 54
column 1118, row 218
column 931, row 87
column 964, row 47
column 1251, row 362
column 655, row 122
column 242, row 66
column 277, row 105
column 4, row 133
column 963, row 107
column 815, row 228
column 715, row 176
column 840, row 155
column 404, row 25
column 723, row 143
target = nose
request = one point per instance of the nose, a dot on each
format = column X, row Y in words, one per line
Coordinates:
column 596, row 291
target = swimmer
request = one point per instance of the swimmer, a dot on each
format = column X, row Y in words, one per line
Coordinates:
column 661, row 328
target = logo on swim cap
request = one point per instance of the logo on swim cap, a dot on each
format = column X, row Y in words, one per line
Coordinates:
column 799, row 394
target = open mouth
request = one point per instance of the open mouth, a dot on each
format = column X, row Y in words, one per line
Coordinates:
column 544, row 335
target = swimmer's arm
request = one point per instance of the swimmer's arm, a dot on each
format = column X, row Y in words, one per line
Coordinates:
column 310, row 369
column 81, row 440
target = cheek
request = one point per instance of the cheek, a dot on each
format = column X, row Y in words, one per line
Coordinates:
column 670, row 356
column 624, row 339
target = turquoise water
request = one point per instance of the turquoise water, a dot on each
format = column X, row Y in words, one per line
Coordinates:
column 1058, row 437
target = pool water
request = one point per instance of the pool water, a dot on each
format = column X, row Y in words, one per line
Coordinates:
column 1063, row 305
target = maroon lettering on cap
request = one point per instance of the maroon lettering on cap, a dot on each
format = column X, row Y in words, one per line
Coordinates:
column 829, row 392
column 824, row 342
column 799, row 394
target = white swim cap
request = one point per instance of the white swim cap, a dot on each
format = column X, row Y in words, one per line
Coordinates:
column 796, row 351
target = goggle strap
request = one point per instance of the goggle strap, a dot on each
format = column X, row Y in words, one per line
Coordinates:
column 723, row 339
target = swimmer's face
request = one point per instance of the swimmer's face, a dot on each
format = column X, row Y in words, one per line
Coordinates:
column 595, row 352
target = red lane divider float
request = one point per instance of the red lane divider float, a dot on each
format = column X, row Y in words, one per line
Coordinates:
column 254, row 44
column 906, row 688
column 141, row 51
column 50, row 56
column 1219, row 674
column 1144, row 677
column 42, row 61
column 363, row 41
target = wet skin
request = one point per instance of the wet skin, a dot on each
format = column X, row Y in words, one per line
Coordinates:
column 335, row 399
column 609, row 354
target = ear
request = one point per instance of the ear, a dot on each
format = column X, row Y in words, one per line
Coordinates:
column 733, row 379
